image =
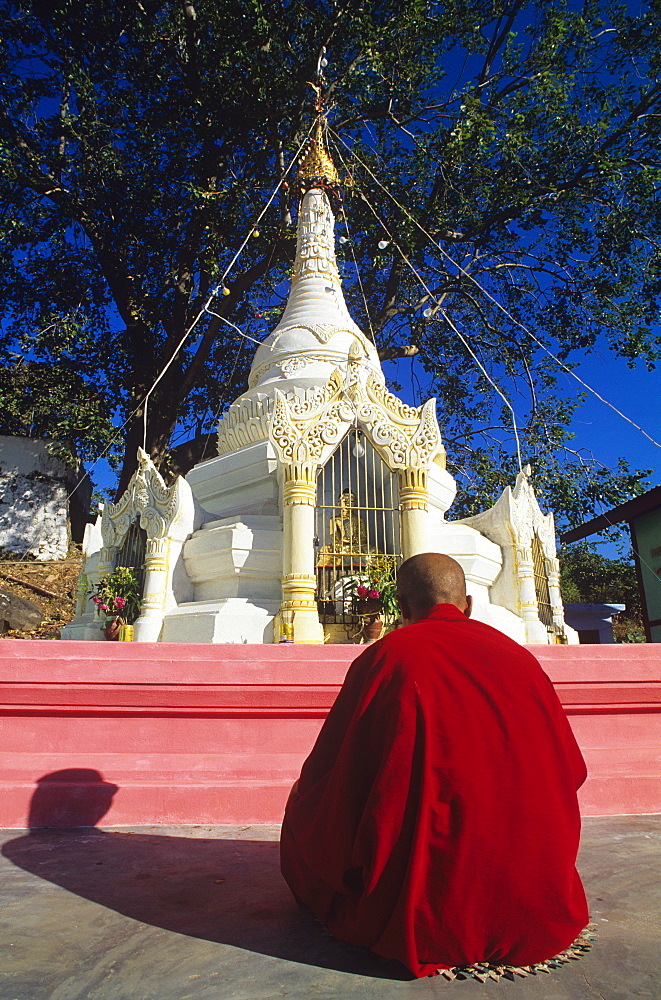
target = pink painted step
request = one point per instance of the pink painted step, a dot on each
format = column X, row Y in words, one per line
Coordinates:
column 169, row 733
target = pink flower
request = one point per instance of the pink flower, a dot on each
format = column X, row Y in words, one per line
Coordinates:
column 119, row 603
column 361, row 591
column 97, row 600
column 373, row 594
column 103, row 607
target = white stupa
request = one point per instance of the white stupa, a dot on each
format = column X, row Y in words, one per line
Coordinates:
column 321, row 474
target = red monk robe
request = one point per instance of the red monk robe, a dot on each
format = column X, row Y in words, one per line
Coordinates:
column 436, row 819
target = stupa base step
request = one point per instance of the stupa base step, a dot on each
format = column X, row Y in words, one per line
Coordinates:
column 229, row 620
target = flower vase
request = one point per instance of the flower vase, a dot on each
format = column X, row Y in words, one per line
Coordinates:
column 372, row 628
column 368, row 606
column 111, row 629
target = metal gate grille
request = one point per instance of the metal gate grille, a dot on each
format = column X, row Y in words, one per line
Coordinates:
column 545, row 610
column 357, row 520
column 132, row 552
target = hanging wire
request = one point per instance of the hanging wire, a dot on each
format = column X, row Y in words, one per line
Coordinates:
column 499, row 305
column 206, row 308
column 355, row 263
column 222, row 401
column 492, row 298
column 453, row 327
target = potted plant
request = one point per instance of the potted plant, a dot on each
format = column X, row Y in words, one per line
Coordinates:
column 376, row 594
column 118, row 596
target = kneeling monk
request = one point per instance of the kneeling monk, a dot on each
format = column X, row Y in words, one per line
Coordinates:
column 436, row 819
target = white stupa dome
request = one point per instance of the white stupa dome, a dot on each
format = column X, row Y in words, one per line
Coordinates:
column 316, row 334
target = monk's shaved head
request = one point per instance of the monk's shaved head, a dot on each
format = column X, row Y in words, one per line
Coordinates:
column 428, row 579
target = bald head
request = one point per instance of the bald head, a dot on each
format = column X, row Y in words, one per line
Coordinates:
column 428, row 579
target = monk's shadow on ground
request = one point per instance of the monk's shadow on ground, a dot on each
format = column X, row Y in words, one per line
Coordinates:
column 227, row 891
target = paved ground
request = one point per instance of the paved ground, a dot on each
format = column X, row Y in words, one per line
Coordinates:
column 171, row 913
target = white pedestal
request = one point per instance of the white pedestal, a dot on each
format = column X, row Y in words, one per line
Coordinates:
column 235, row 567
column 241, row 482
column 232, row 620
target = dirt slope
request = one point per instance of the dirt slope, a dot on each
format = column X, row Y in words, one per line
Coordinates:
column 59, row 579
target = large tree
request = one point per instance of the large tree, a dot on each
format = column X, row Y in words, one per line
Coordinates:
column 502, row 200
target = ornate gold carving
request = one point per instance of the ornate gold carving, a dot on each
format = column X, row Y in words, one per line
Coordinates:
column 524, row 558
column 153, row 602
column 156, row 547
column 300, row 490
column 292, row 364
column 305, row 431
column 147, row 498
column 316, row 164
column 552, row 566
column 299, row 581
column 315, row 247
column 324, row 332
column 309, row 405
column 413, row 493
column 413, row 479
column 105, row 561
column 298, row 593
column 378, row 393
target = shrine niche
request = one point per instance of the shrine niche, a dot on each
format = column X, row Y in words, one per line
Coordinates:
column 353, row 502
column 144, row 531
column 529, row 582
column 133, row 551
column 357, row 522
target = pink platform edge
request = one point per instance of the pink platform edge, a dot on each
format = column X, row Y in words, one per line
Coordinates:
column 216, row 734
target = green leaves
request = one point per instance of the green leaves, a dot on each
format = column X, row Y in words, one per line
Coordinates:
column 590, row 578
column 56, row 403
column 508, row 150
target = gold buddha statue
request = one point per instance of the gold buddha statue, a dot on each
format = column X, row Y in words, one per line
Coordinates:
column 347, row 532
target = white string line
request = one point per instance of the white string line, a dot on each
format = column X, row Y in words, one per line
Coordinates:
column 495, row 301
column 79, row 483
column 202, row 311
column 468, row 348
column 452, row 326
column 222, row 400
column 355, row 262
column 214, row 292
column 260, row 343
column 524, row 328
column 495, row 386
column 360, row 280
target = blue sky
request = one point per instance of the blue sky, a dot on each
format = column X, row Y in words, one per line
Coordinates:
column 599, row 432
column 637, row 393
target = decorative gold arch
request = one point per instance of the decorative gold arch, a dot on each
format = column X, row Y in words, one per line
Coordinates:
column 304, row 432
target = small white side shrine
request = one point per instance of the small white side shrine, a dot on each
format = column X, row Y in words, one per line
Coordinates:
column 321, row 473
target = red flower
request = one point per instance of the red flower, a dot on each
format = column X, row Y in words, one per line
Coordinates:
column 373, row 594
column 362, row 591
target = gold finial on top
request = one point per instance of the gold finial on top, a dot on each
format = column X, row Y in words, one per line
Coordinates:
column 316, row 165
column 316, row 168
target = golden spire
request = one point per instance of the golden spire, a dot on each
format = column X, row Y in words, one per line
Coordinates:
column 316, row 168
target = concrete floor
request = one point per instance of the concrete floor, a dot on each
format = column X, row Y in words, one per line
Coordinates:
column 171, row 913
